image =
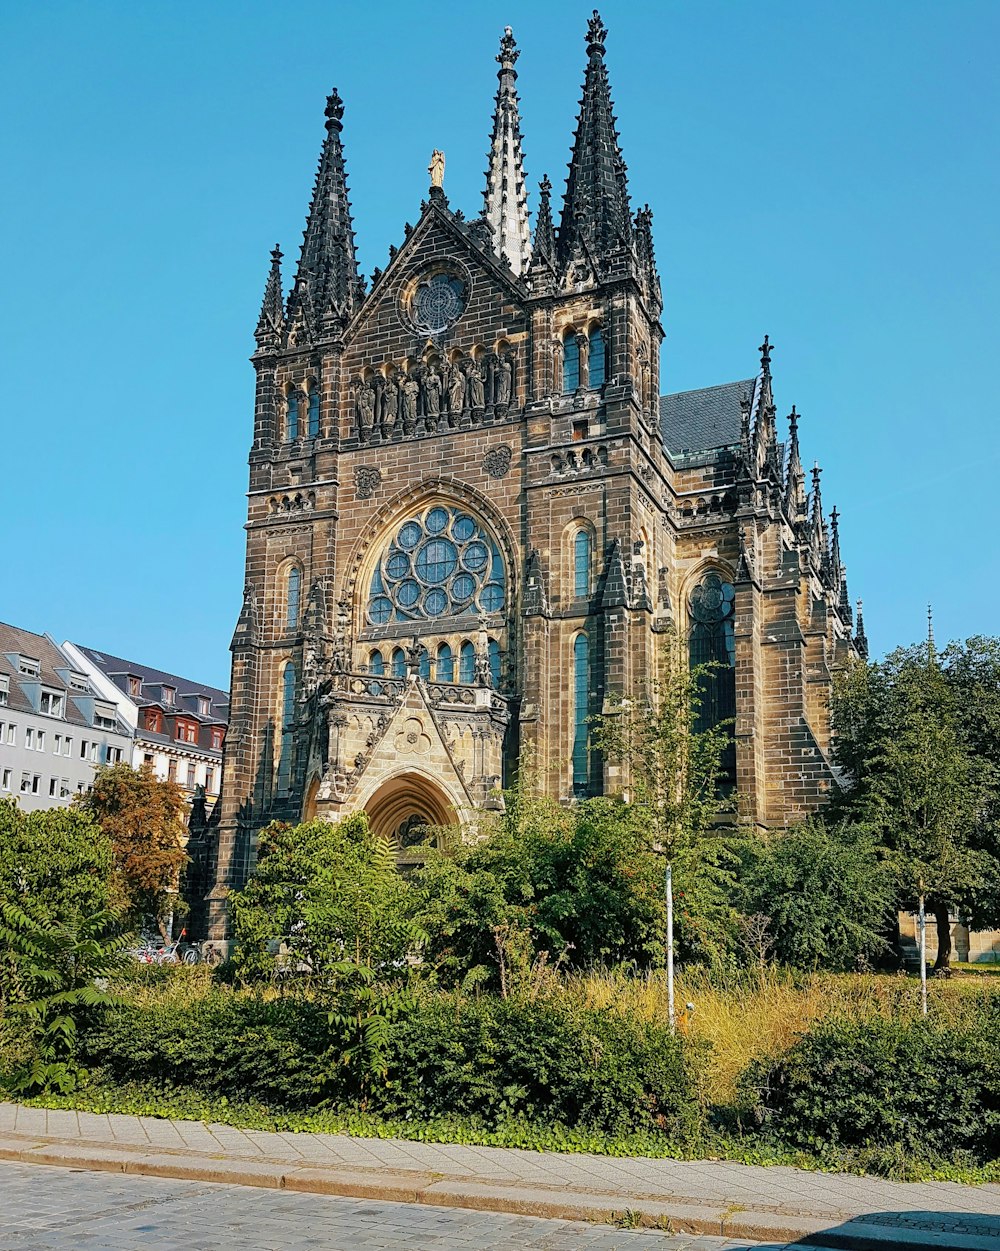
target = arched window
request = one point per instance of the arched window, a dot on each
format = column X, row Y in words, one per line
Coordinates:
column 376, row 667
column 424, row 664
column 313, row 411
column 581, row 710
column 293, row 589
column 595, row 357
column 444, row 669
column 287, row 726
column 711, row 641
column 494, row 655
column 571, row 362
column 399, row 663
column 467, row 663
column 291, row 415
column 581, row 564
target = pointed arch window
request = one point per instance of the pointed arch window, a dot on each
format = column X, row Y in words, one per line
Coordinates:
column 571, row 362
column 444, row 668
column 595, row 357
column 314, row 411
column 376, row 667
column 399, row 663
column 288, row 682
column 467, row 663
column 495, row 663
column 424, row 664
column 293, row 595
column 581, row 710
column 711, row 641
column 581, row 564
column 291, row 416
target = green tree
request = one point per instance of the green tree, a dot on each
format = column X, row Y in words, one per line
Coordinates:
column 327, row 891
column 917, row 780
column 826, row 893
column 144, row 818
column 53, row 862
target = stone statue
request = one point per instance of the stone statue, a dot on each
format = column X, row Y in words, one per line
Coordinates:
column 364, row 403
column 411, row 390
column 432, row 396
column 390, row 406
column 477, row 395
column 436, row 168
column 504, row 384
column 456, row 393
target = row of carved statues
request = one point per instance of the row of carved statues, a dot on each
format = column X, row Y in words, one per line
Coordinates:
column 429, row 395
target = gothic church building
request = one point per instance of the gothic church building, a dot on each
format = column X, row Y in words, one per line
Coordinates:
column 472, row 514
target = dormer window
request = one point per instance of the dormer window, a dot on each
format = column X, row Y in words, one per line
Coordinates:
column 218, row 735
column 186, row 731
column 4, row 688
column 51, row 703
column 135, row 687
column 152, row 720
column 28, row 667
column 168, row 693
column 204, row 705
column 105, row 717
column 78, row 682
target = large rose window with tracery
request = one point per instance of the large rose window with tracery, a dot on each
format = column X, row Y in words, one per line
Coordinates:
column 440, row 562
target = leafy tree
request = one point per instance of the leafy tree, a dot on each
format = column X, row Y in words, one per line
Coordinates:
column 674, row 778
column 145, row 820
column 53, row 862
column 329, row 893
column 63, row 966
column 922, row 782
column 825, row 891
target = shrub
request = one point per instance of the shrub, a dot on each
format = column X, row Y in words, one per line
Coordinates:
column 926, row 1086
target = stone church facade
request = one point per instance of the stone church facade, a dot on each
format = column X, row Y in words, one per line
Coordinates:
column 473, row 515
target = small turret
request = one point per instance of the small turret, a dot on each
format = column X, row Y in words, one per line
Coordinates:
column 765, row 431
column 795, row 478
column 271, row 324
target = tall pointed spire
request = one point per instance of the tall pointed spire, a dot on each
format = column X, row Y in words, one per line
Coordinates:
column 596, row 216
column 860, row 638
column 817, row 525
column 271, row 324
column 795, row 477
column 765, row 433
column 544, row 249
column 648, row 275
column 505, row 198
column 327, row 284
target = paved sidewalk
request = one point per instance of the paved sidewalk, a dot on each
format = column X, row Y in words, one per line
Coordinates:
column 701, row 1197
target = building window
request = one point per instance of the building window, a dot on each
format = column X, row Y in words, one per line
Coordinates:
column 112, row 755
column 204, row 705
column 595, row 358
column 135, row 687
column 287, row 726
column 12, row 735
column 30, row 668
column 83, row 749
column 467, row 663
column 376, row 663
column 186, row 731
column 494, row 658
column 571, row 362
column 53, row 786
column 4, row 689
column 94, row 749
column 293, row 587
column 67, row 747
column 191, row 775
column 314, row 411
column 439, row 562
column 171, row 770
column 291, row 416
column 29, row 738
column 64, row 788
column 57, row 745
column 580, row 430
column 153, row 720
column 711, row 606
column 581, row 700
column 40, row 740
column 424, row 664
column 399, row 663
column 444, row 668
column 104, row 718
column 5, row 782
column 210, row 781
column 218, row 736
column 581, row 564
column 147, row 759
column 168, row 693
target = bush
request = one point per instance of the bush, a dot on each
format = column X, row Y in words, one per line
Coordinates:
column 925, row 1086
column 487, row 1059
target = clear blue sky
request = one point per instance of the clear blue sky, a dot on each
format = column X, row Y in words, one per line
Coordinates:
column 825, row 172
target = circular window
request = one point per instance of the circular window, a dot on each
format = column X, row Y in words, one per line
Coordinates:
column 441, row 563
column 438, row 303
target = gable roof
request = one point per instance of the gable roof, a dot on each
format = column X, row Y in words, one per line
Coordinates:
column 115, row 666
column 18, row 642
column 703, row 420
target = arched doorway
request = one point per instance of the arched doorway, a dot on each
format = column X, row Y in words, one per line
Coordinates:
column 401, row 810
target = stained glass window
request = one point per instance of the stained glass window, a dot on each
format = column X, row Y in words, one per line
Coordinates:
column 595, row 358
column 399, row 663
column 293, row 587
column 287, row 726
column 581, row 709
column 438, row 303
column 581, row 564
column 444, row 670
column 571, row 363
column 494, row 654
column 313, row 412
column 291, row 416
column 712, row 641
column 439, row 563
column 467, row 663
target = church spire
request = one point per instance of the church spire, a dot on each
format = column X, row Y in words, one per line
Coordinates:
column 860, row 638
column 596, row 216
column 271, row 323
column 506, row 202
column 327, row 284
column 795, row 478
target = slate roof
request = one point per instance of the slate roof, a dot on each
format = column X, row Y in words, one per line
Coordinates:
column 703, row 420
column 186, row 690
column 14, row 640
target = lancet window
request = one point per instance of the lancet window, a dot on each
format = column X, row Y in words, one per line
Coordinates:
column 711, row 641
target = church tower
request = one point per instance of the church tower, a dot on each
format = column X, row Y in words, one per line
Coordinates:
column 472, row 515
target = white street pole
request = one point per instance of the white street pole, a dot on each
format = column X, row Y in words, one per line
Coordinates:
column 923, row 956
column 671, row 1015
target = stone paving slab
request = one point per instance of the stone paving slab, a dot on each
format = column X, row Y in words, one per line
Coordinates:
column 710, row 1197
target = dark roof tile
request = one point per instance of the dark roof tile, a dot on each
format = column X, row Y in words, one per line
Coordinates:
column 703, row 420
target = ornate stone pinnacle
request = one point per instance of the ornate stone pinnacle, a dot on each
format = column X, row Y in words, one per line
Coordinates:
column 509, row 51
column 334, row 110
column 597, row 32
column 765, row 354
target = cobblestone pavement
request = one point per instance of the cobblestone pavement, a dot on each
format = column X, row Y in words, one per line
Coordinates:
column 43, row 1208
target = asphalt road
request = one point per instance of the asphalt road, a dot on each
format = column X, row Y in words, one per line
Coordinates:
column 43, row 1208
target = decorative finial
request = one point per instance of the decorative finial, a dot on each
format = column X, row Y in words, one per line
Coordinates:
column 597, row 32
column 509, row 51
column 816, row 471
column 276, row 254
column 793, row 420
column 765, row 354
column 436, row 168
column 334, row 110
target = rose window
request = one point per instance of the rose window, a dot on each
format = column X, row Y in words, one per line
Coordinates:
column 441, row 563
column 438, row 303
